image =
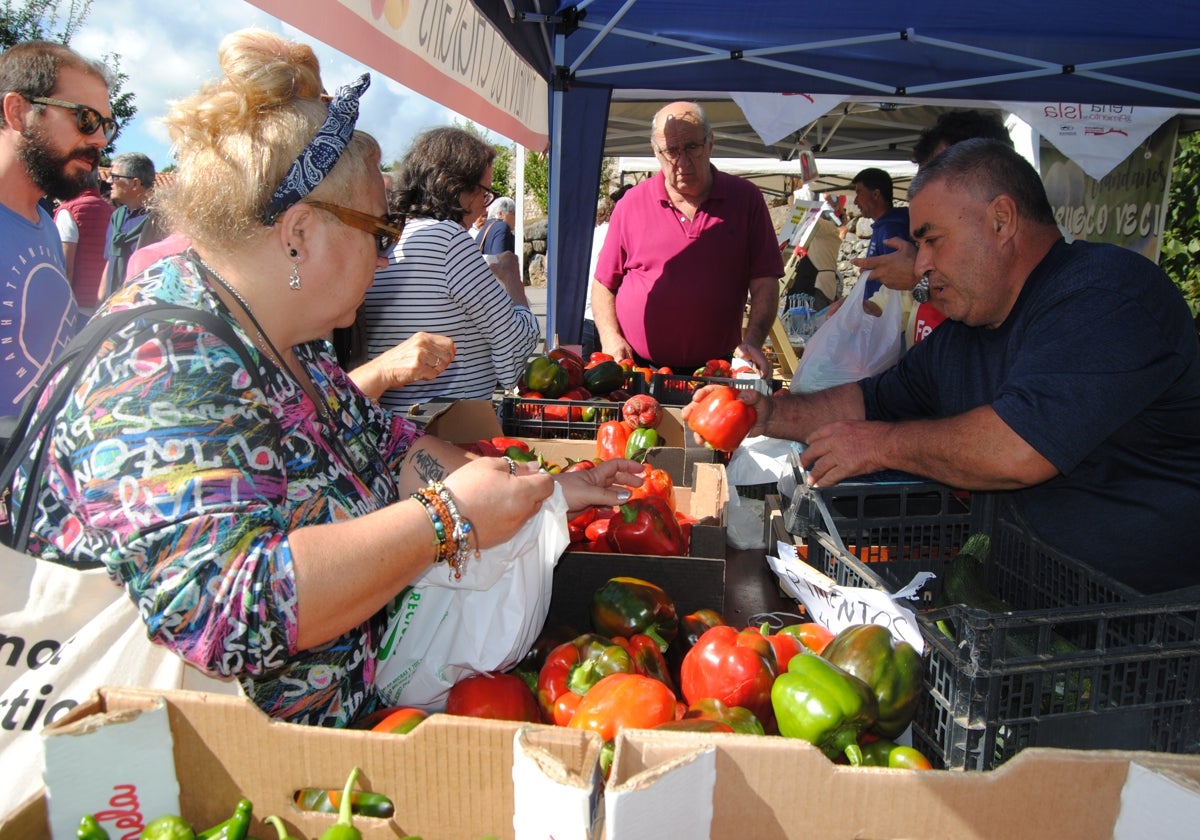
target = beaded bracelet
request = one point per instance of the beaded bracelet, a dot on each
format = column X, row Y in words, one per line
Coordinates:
column 452, row 528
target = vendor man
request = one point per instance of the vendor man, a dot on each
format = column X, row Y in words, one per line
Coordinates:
column 683, row 250
column 1068, row 374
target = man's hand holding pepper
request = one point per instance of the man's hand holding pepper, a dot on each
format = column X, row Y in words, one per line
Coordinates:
column 761, row 404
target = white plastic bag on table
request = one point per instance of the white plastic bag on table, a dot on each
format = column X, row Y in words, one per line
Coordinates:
column 441, row 630
column 851, row 344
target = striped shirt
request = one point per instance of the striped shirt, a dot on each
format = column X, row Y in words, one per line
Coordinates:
column 437, row 281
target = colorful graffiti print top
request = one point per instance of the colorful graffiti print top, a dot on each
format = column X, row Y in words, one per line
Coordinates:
column 183, row 474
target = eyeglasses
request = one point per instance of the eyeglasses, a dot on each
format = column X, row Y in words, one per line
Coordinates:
column 488, row 195
column 87, row 120
column 386, row 229
column 113, row 176
column 674, row 153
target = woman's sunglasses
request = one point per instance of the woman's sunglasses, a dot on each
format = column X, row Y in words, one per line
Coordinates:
column 87, row 120
column 386, row 229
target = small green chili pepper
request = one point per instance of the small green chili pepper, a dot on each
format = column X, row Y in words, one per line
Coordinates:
column 90, row 829
column 280, row 829
column 344, row 828
column 234, row 828
column 168, row 827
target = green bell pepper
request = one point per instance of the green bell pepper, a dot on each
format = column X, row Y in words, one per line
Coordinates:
column 640, row 442
column 818, row 702
column 547, row 377
column 168, row 827
column 890, row 666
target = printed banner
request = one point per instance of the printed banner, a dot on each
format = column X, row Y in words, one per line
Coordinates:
column 1126, row 207
column 443, row 49
column 1096, row 137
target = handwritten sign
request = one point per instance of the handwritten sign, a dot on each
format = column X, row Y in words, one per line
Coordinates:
column 837, row 607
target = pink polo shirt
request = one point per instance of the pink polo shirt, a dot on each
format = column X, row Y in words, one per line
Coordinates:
column 681, row 285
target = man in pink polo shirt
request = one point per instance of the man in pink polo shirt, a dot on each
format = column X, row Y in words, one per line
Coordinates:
column 683, row 250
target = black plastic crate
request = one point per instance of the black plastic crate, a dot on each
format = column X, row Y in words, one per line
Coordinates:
column 564, row 419
column 672, row 389
column 1082, row 661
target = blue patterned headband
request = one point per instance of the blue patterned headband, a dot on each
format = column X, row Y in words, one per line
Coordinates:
column 322, row 153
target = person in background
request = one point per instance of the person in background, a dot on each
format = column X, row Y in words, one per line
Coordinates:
column 498, row 242
column 437, row 281
column 874, row 199
column 1023, row 389
column 604, row 207
column 132, row 179
column 83, row 226
column 683, row 251
column 56, row 119
column 266, row 514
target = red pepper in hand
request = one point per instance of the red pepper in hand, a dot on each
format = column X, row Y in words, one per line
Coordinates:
column 627, row 606
column 646, row 526
column 642, row 411
column 735, row 667
column 611, row 439
column 721, row 419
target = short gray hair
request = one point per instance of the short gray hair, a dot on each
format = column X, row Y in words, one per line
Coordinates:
column 502, row 206
column 136, row 165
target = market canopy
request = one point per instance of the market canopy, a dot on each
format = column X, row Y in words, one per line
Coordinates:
column 1071, row 53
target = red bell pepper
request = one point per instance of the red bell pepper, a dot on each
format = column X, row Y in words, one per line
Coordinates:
column 784, row 645
column 574, row 668
column 691, row 627
column 624, row 701
column 626, row 606
column 493, row 696
column 611, row 439
column 720, row 368
column 735, row 667
column 642, row 411
column 721, row 419
column 577, row 527
column 647, row 526
column 655, row 482
column 560, row 353
column 812, row 635
column 597, row 358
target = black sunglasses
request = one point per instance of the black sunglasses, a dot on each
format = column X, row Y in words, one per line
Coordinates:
column 386, row 229
column 87, row 120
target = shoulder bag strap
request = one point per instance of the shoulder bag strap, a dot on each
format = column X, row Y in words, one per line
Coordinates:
column 75, row 357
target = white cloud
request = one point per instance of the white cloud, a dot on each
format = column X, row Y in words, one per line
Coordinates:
column 169, row 49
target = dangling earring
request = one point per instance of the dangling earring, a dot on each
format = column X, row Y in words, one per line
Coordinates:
column 294, row 280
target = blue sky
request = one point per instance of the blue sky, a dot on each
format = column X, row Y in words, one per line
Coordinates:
column 169, row 49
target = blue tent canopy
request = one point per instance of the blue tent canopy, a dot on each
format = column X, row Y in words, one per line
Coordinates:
column 1097, row 52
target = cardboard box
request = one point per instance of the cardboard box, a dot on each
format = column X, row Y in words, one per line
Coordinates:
column 450, row 777
column 778, row 787
column 466, row 778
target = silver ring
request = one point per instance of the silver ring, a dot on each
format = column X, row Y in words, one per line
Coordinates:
column 512, row 465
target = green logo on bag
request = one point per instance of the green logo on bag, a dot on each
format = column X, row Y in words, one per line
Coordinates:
column 400, row 616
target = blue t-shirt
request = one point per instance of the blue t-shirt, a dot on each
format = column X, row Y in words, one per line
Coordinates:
column 39, row 313
column 891, row 224
column 498, row 237
column 1097, row 367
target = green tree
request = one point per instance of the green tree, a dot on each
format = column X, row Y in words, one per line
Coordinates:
column 44, row 20
column 1181, row 239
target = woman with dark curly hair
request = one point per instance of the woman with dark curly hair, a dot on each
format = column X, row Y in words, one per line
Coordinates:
column 436, row 279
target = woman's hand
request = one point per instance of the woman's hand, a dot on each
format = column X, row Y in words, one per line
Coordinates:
column 496, row 501
column 421, row 357
column 600, row 486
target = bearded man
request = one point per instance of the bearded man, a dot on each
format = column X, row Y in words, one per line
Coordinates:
column 56, row 118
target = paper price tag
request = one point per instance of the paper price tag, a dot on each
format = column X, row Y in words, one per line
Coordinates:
column 838, row 607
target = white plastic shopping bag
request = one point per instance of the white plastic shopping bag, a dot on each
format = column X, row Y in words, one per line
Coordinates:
column 441, row 630
column 852, row 344
column 63, row 634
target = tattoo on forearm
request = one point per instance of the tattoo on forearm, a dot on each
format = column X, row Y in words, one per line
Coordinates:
column 427, row 466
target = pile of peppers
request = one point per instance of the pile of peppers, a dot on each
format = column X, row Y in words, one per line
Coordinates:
column 644, row 665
